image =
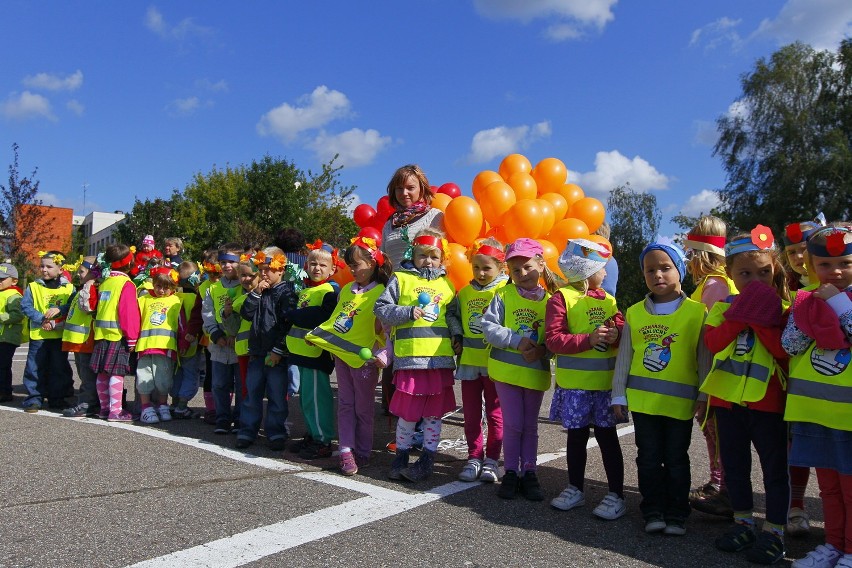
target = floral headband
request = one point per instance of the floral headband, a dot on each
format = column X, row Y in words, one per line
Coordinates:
column 73, row 266
column 371, row 247
column 319, row 245
column 760, row 238
column 167, row 270
column 214, row 267
column 276, row 262
column 55, row 256
column 487, row 250
column 796, row 233
column 835, row 242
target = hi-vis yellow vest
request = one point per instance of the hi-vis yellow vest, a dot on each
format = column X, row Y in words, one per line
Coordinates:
column 351, row 328
column 428, row 336
column 241, row 346
column 44, row 299
column 663, row 377
column 820, row 388
column 740, row 372
column 218, row 294
column 160, row 318
column 14, row 330
column 308, row 297
column 202, row 292
column 78, row 325
column 187, row 301
column 526, row 318
column 472, row 304
column 592, row 369
column 106, row 316
column 699, row 290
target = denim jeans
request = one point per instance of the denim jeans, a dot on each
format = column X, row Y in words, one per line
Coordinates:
column 88, row 391
column 294, row 379
column 47, row 372
column 270, row 381
column 226, row 380
column 185, row 384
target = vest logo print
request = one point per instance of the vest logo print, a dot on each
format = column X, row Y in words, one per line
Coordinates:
column 830, row 362
column 432, row 310
column 476, row 307
column 345, row 319
column 304, row 302
column 658, row 355
column 745, row 342
column 529, row 323
column 158, row 317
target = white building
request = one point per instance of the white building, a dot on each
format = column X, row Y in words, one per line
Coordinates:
column 99, row 230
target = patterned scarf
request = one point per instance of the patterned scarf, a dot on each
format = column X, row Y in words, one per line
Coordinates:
column 406, row 216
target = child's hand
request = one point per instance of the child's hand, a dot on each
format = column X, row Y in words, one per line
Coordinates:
column 261, row 286
column 701, row 409
column 620, row 411
column 826, row 291
column 273, row 359
column 228, row 308
column 48, row 325
column 598, row 336
column 51, row 313
column 526, row 344
column 222, row 342
column 231, row 341
column 534, row 353
column 190, row 338
column 417, row 313
column 457, row 346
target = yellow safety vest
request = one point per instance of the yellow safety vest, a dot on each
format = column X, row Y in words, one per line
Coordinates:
column 78, row 325
column 472, row 304
column 106, row 315
column 43, row 299
column 526, row 318
column 187, row 301
column 160, row 317
column 428, row 336
column 699, row 290
column 241, row 343
column 741, row 372
column 593, row 369
column 663, row 377
column 202, row 291
column 351, row 328
column 308, row 297
column 218, row 294
column 15, row 330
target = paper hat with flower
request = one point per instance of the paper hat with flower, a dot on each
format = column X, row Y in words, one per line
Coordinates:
column 760, row 238
column 73, row 266
column 479, row 248
column 213, row 267
column 56, row 257
column 371, row 247
column 796, row 233
column 835, row 242
column 275, row 262
column 582, row 258
column 319, row 245
column 707, row 243
column 167, row 270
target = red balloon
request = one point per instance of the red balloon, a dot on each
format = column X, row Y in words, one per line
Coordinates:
column 363, row 214
column 384, row 209
column 372, row 233
column 450, row 189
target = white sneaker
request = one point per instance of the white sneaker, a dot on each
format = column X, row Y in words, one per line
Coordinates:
column 471, row 470
column 798, row 523
column 611, row 508
column 823, row 556
column 164, row 412
column 569, row 498
column 490, row 471
column 149, row 416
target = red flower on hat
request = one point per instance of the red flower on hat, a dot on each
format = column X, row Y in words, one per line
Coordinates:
column 794, row 232
column 762, row 237
column 834, row 243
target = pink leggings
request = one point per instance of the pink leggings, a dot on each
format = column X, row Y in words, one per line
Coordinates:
column 521, row 407
column 473, row 391
column 835, row 490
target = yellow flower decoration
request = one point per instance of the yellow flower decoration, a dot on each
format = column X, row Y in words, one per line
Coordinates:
column 73, row 266
column 133, row 249
column 57, row 258
column 278, row 262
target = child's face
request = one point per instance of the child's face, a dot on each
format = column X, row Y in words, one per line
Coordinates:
column 797, row 257
column 83, row 273
column 362, row 270
column 248, row 278
column 49, row 269
column 269, row 274
column 525, row 272
column 427, row 258
column 409, row 192
column 661, row 276
column 747, row 268
column 836, row 270
column 596, row 279
column 320, row 269
column 485, row 269
column 146, row 247
column 161, row 291
column 229, row 268
column 7, row 283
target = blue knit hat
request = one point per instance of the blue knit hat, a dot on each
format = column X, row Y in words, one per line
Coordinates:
column 670, row 248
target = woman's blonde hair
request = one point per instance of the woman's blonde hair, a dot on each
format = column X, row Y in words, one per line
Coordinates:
column 704, row 263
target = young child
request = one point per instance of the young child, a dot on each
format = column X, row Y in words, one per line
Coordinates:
column 817, row 337
column 518, row 363
column 77, row 338
column 746, row 388
column 706, row 264
column 162, row 333
column 235, row 325
column 488, row 262
column 582, row 325
column 185, row 382
column 143, row 257
column 315, row 305
column 226, row 372
column 352, row 329
column 265, row 308
column 117, row 324
column 11, row 326
column 417, row 303
column 212, row 273
column 660, row 360
column 47, row 372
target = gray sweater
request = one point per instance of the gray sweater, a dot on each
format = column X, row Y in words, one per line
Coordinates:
column 392, row 243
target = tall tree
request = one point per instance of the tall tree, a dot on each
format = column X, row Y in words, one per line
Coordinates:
column 634, row 222
column 787, row 147
column 156, row 217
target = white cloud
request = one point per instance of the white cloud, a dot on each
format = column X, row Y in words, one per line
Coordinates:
column 184, row 29
column 317, row 109
column 613, row 169
column 27, row 105
column 75, row 107
column 184, row 106
column 566, row 19
column 820, row 23
column 705, row 133
column 701, row 203
column 355, row 147
column 75, row 203
column 502, row 140
column 722, row 32
column 51, row 82
column 208, row 85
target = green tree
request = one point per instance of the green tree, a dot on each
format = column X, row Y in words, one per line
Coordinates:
column 787, row 148
column 634, row 222
column 156, row 217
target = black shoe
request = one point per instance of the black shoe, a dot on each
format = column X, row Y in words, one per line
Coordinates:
column 243, row 443
column 297, row 446
column 278, row 444
column 738, row 538
column 767, row 549
column 6, row 397
column 79, row 411
column 509, row 485
column 222, row 428
column 315, row 450
column 530, row 487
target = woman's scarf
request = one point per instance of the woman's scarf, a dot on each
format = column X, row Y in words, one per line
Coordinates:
column 407, row 216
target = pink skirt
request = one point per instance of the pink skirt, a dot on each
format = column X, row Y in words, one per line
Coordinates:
column 422, row 393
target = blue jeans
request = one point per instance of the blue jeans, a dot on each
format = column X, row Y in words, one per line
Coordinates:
column 88, row 379
column 185, row 384
column 271, row 381
column 47, row 373
column 294, row 379
column 226, row 380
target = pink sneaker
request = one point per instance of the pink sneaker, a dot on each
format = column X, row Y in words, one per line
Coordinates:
column 122, row 416
column 348, row 467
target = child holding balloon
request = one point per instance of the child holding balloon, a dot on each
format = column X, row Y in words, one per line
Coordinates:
column 513, row 325
column 488, row 262
column 418, row 304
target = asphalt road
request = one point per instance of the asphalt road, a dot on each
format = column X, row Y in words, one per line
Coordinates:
column 91, row 493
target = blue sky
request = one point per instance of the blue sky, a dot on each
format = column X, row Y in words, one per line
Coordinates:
column 135, row 98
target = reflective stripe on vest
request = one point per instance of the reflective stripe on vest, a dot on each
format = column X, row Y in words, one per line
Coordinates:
column 472, row 304
column 78, row 325
column 662, row 387
column 429, row 335
column 577, row 364
column 106, row 316
column 43, row 299
column 309, row 297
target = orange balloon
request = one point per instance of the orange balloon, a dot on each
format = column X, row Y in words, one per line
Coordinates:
column 459, row 270
column 550, row 175
column 482, row 179
column 463, row 220
column 343, row 276
column 548, row 215
column 498, row 233
column 523, row 184
column 565, row 230
column 483, row 230
column 559, row 203
column 601, row 240
column 512, row 164
column 524, row 219
column 589, row 210
column 497, row 198
column 551, row 255
column 440, row 201
column 572, row 193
